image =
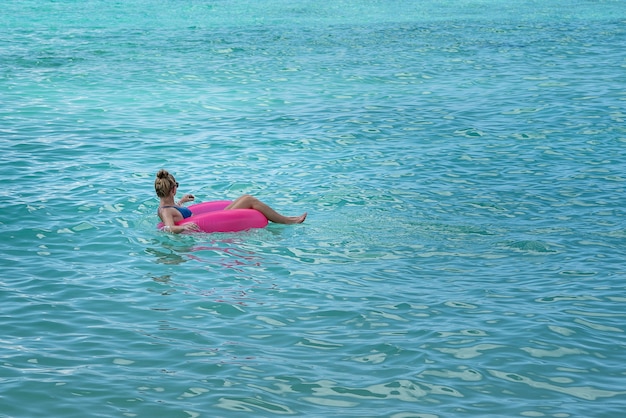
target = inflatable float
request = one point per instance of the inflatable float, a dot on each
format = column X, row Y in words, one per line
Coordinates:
column 211, row 217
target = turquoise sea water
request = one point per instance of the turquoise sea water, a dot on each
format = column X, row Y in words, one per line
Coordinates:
column 462, row 163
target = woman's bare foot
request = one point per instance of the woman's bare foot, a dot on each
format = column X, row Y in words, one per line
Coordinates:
column 296, row 219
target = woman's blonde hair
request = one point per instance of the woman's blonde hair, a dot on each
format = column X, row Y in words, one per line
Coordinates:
column 164, row 183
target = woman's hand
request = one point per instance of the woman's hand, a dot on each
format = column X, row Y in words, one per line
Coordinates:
column 177, row 229
column 186, row 198
column 190, row 227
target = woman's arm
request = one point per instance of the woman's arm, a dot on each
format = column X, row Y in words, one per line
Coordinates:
column 186, row 198
column 170, row 226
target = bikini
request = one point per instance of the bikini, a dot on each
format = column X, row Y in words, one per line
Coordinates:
column 186, row 212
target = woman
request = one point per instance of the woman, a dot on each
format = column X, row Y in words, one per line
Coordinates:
column 170, row 212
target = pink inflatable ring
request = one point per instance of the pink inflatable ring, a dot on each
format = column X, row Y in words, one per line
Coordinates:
column 211, row 217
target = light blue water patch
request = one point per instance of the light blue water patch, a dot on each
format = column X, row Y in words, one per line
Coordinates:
column 462, row 165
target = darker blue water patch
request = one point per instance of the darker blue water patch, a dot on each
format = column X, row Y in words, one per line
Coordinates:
column 528, row 246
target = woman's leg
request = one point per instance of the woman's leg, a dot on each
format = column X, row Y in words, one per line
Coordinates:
column 250, row 202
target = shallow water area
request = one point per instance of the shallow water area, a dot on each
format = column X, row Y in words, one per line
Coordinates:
column 462, row 165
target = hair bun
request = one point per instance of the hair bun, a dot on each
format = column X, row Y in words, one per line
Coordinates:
column 163, row 174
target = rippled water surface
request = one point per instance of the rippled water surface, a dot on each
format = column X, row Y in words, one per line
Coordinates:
column 462, row 164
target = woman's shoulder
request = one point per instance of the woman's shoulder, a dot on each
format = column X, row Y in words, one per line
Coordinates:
column 161, row 209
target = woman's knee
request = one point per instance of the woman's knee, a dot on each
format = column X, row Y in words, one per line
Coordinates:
column 245, row 201
column 247, row 198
